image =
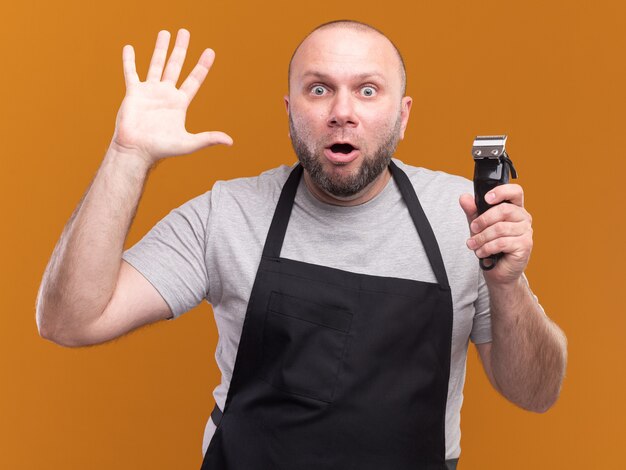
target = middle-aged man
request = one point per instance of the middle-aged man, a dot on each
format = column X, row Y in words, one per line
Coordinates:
column 345, row 288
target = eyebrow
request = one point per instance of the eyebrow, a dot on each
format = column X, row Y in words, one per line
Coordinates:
column 325, row 77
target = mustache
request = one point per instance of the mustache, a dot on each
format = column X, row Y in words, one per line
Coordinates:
column 342, row 135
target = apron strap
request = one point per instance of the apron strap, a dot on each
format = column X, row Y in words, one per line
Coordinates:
column 216, row 415
column 451, row 464
column 278, row 227
column 424, row 229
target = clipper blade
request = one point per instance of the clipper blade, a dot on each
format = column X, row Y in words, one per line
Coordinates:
column 488, row 146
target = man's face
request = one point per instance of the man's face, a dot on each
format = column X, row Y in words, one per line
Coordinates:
column 346, row 110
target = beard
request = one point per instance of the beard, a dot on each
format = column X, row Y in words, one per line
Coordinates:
column 372, row 165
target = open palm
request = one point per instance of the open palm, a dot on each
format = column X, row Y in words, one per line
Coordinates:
column 151, row 119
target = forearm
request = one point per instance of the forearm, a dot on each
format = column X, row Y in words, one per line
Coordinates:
column 82, row 272
column 529, row 351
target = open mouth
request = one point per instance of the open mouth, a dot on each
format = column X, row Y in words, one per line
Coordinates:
column 341, row 153
column 342, row 148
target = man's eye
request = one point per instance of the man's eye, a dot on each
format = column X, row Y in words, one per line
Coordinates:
column 318, row 90
column 368, row 91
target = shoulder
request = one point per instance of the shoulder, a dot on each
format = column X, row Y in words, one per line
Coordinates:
column 247, row 201
column 427, row 181
column 245, row 192
column 263, row 187
column 439, row 193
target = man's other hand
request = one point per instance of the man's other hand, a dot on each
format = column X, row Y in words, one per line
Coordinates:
column 505, row 228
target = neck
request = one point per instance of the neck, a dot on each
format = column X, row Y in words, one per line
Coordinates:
column 366, row 194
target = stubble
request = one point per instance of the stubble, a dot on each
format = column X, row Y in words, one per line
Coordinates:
column 373, row 163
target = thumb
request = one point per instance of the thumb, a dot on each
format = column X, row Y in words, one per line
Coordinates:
column 469, row 207
column 206, row 139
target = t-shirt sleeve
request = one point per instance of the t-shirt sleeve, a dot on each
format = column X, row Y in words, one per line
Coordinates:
column 481, row 328
column 172, row 255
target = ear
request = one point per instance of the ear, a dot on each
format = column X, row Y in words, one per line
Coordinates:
column 286, row 98
column 405, row 111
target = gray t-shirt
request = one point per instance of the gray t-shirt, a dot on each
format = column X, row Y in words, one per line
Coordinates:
column 210, row 248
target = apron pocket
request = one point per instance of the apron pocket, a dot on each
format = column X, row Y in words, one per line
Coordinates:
column 303, row 346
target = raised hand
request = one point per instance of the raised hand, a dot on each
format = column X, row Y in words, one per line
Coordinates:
column 151, row 118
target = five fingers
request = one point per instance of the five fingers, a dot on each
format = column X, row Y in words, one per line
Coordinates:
column 170, row 72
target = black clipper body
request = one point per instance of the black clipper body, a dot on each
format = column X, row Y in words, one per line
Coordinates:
column 492, row 167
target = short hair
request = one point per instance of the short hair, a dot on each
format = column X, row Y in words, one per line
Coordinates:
column 356, row 26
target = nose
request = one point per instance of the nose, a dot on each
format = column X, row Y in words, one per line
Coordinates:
column 342, row 111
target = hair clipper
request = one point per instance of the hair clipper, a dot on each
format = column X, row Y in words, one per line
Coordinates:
column 492, row 167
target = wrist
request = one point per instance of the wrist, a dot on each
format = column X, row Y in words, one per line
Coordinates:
column 506, row 288
column 506, row 301
column 133, row 158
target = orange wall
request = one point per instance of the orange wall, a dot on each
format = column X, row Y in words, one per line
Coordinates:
column 549, row 74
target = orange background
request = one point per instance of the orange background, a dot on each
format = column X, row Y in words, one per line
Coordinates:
column 549, row 74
